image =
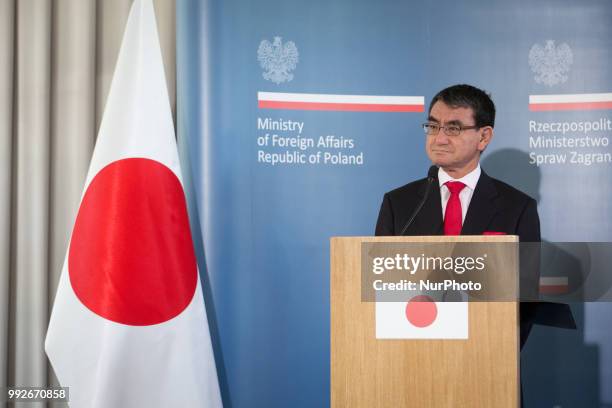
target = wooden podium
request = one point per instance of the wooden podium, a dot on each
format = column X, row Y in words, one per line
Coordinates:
column 482, row 371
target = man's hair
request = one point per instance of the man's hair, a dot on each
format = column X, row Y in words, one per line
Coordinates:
column 468, row 96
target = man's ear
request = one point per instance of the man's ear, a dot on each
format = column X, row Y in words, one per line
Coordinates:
column 486, row 134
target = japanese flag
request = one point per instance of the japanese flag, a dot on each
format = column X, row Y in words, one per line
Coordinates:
column 421, row 318
column 129, row 326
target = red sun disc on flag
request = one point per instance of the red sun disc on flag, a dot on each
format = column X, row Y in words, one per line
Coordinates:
column 421, row 311
column 131, row 257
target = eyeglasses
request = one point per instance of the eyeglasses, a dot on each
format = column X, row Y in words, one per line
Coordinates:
column 432, row 129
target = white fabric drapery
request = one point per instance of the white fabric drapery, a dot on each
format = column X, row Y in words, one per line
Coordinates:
column 56, row 62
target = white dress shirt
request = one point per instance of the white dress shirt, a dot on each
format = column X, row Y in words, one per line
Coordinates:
column 465, row 196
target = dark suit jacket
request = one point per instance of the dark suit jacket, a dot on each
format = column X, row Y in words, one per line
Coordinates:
column 495, row 207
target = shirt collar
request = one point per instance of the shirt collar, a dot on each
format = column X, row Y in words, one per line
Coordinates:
column 469, row 179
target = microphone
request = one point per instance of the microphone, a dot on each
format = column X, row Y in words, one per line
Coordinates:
column 432, row 175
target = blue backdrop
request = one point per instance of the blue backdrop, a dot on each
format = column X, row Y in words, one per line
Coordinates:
column 265, row 228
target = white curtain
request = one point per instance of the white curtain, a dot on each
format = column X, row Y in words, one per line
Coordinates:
column 56, row 62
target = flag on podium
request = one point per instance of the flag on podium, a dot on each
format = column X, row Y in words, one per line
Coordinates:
column 422, row 317
column 128, row 326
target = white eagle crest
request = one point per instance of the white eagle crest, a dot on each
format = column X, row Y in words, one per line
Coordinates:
column 277, row 59
column 550, row 63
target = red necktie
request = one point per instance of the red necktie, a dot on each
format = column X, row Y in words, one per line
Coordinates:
column 452, row 216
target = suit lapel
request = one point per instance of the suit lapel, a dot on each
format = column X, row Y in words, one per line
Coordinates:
column 429, row 219
column 482, row 208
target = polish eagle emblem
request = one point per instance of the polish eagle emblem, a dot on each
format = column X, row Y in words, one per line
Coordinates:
column 550, row 63
column 277, row 59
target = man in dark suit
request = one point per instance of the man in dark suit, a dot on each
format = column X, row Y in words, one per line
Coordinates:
column 462, row 198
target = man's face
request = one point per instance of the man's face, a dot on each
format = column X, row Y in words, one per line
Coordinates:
column 457, row 155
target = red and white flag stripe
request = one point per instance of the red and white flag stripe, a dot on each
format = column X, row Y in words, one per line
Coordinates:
column 562, row 102
column 554, row 285
column 330, row 102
